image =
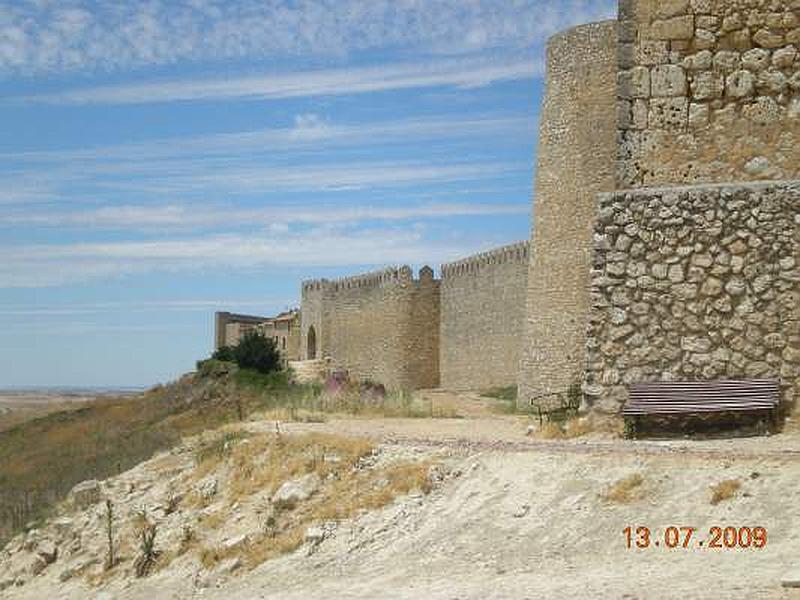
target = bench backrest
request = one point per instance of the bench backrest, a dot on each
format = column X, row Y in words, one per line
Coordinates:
column 675, row 397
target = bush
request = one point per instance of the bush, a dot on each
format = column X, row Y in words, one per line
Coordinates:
column 256, row 352
column 214, row 368
column 225, row 354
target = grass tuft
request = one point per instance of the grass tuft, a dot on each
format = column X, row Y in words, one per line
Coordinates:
column 724, row 490
column 625, row 490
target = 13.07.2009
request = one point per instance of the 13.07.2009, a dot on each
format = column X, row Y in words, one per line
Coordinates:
column 718, row 537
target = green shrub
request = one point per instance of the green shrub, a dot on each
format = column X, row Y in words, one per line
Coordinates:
column 213, row 367
column 225, row 354
column 257, row 352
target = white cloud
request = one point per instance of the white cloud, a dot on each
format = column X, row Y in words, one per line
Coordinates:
column 329, row 82
column 207, row 166
column 39, row 37
column 55, row 310
column 196, row 178
column 277, row 218
column 62, row 264
column 308, row 131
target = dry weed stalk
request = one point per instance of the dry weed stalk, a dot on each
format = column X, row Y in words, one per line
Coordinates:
column 724, row 490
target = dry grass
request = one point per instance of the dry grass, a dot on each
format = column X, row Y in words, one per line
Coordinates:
column 724, row 490
column 792, row 423
column 625, row 490
column 578, row 427
column 53, row 453
column 265, row 462
column 570, row 429
column 18, row 416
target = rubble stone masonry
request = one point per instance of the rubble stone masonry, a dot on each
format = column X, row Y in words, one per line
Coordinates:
column 694, row 283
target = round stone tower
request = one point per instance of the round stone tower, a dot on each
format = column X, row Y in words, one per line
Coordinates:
column 576, row 161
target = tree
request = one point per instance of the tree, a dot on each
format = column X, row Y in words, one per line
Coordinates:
column 225, row 353
column 257, row 352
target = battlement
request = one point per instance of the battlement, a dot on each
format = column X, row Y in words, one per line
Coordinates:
column 365, row 280
column 516, row 253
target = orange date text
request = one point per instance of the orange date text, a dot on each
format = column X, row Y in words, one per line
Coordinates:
column 715, row 538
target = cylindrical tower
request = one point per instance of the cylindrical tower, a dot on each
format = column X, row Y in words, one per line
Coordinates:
column 576, row 161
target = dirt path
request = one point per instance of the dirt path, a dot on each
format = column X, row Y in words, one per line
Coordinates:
column 514, row 517
column 510, row 434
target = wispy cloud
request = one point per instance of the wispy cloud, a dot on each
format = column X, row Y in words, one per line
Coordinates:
column 198, row 178
column 55, row 310
column 189, row 217
column 60, row 264
column 206, row 166
column 40, row 37
column 330, row 82
column 309, row 130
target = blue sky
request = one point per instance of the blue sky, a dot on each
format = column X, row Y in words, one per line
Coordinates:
column 164, row 159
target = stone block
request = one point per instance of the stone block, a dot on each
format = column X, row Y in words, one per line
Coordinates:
column 699, row 61
column 772, row 82
column 672, row 8
column 698, row 115
column 756, row 59
column 668, row 113
column 768, row 39
column 667, row 81
column 740, row 84
column 704, row 39
column 651, row 53
column 708, row 86
column 784, row 58
column 727, row 60
column 675, row 28
column 640, row 82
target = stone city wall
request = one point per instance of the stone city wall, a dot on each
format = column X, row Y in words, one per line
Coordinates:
column 314, row 298
column 576, row 160
column 381, row 326
column 694, row 283
column 709, row 91
column 482, row 317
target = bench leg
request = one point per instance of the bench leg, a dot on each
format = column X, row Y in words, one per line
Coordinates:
column 631, row 426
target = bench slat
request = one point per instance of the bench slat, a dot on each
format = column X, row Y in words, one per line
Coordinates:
column 731, row 395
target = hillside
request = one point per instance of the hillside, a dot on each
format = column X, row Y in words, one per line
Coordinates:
column 482, row 506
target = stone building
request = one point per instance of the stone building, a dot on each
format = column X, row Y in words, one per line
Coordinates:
column 284, row 329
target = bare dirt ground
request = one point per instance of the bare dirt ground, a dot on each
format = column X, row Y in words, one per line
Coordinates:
column 518, row 517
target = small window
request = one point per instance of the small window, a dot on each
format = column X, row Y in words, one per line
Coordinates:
column 284, row 343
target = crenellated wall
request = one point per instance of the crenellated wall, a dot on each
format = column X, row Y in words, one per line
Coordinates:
column 688, row 282
column 709, row 91
column 382, row 326
column 482, row 317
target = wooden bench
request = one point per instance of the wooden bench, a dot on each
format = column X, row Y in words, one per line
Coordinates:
column 667, row 398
